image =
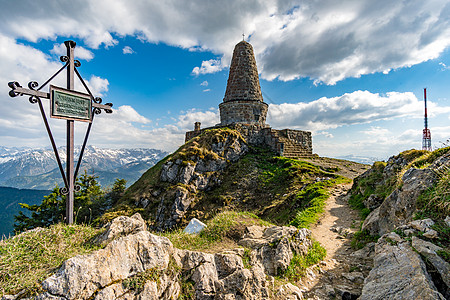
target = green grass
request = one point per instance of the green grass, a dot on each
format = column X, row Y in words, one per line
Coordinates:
column 312, row 202
column 225, row 225
column 435, row 202
column 299, row 263
column 29, row 258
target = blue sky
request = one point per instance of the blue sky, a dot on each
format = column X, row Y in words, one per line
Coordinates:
column 352, row 72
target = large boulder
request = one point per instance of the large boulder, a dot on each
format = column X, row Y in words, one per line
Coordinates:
column 398, row 273
column 80, row 277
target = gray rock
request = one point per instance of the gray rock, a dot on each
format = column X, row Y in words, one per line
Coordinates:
column 373, row 201
column 371, row 223
column 422, row 225
column 428, row 250
column 121, row 226
column 100, row 275
column 447, row 220
column 431, row 234
column 398, row 273
column 254, row 232
column 357, row 277
column 289, row 292
column 82, row 275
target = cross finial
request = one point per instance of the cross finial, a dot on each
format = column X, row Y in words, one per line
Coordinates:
column 243, row 37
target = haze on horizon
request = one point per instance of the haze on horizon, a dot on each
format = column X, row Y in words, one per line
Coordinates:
column 352, row 72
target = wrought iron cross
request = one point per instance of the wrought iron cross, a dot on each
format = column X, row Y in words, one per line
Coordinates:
column 95, row 105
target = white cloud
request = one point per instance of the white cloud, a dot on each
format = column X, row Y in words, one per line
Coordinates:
column 204, row 83
column 208, row 67
column 444, row 66
column 98, row 85
column 80, row 52
column 206, row 90
column 325, row 40
column 353, row 108
column 117, row 129
column 127, row 50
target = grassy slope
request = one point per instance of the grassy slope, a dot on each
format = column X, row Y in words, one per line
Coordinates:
column 433, row 203
column 261, row 188
column 29, row 258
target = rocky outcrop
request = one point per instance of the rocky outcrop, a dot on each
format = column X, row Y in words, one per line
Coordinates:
column 398, row 273
column 136, row 264
column 193, row 168
column 399, row 207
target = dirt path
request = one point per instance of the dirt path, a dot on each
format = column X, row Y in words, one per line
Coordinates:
column 342, row 273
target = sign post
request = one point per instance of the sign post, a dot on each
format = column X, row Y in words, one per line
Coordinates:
column 72, row 106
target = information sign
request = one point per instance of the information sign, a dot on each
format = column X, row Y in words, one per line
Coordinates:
column 70, row 105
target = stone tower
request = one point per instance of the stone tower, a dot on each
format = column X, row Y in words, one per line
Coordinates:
column 243, row 101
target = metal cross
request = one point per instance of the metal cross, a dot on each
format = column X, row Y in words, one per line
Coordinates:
column 70, row 175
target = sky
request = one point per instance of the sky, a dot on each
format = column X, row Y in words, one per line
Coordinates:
column 351, row 72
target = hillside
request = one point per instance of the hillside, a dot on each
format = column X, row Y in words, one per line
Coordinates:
column 218, row 171
column 248, row 197
column 9, row 205
column 406, row 205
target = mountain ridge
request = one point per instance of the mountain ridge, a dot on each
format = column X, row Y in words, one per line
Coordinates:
column 33, row 168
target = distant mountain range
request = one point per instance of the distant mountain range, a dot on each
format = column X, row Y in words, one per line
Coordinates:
column 360, row 159
column 27, row 168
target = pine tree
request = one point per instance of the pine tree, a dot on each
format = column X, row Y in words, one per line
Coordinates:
column 90, row 202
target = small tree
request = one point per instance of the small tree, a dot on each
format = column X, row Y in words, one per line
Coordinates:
column 89, row 203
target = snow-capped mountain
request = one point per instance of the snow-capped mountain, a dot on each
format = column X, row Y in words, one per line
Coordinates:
column 37, row 168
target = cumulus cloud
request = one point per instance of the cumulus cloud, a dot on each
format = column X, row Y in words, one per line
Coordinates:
column 127, row 50
column 325, row 40
column 118, row 129
column 80, row 52
column 352, row 108
column 208, row 67
column 98, row 85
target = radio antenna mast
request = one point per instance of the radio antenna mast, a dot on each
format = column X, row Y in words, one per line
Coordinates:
column 426, row 139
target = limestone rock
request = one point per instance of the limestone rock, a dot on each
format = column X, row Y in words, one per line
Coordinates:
column 399, row 207
column 373, row 202
column 82, row 275
column 192, row 173
column 277, row 245
column 289, row 292
column 398, row 273
column 428, row 250
column 422, row 225
column 447, row 220
column 106, row 273
column 122, row 226
column 431, row 234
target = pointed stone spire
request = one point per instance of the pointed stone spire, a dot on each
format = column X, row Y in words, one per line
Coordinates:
column 243, row 80
column 243, row 102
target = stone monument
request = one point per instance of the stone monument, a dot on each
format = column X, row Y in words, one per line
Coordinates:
column 244, row 109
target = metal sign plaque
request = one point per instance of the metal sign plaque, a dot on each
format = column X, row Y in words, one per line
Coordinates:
column 70, row 105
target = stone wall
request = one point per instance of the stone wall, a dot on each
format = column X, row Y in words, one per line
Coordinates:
column 287, row 142
column 245, row 112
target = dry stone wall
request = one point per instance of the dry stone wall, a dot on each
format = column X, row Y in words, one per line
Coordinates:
column 287, row 142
